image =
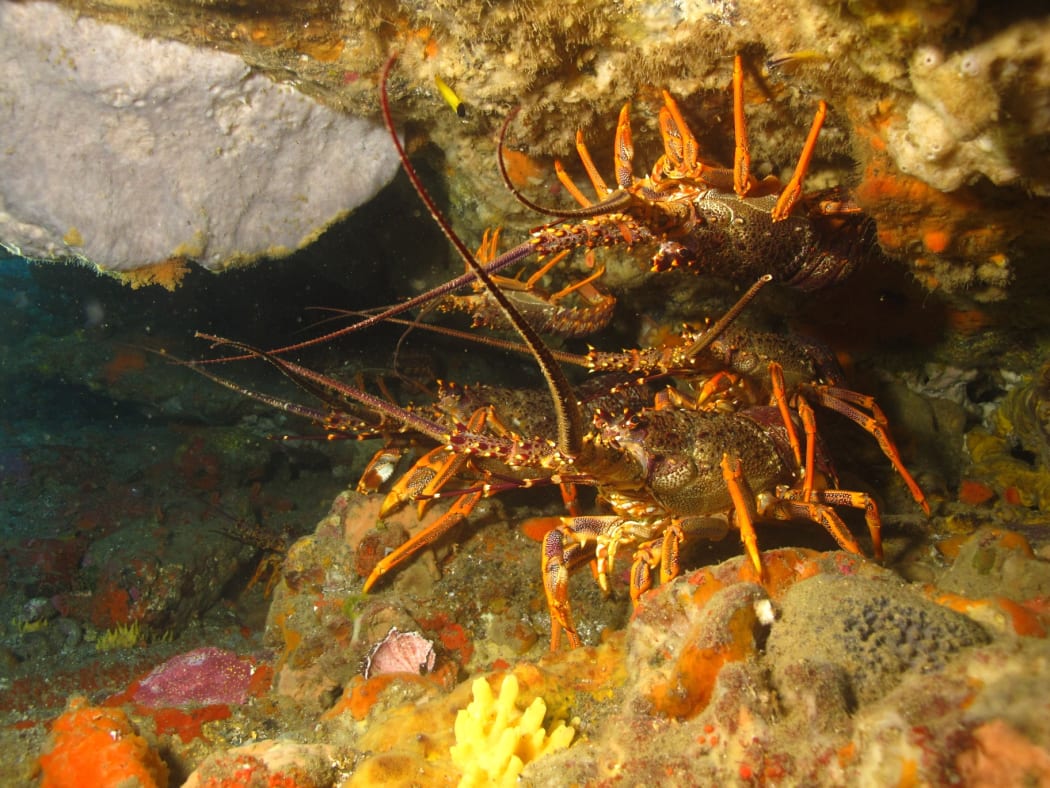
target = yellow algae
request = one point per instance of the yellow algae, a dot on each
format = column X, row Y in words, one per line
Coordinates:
column 73, row 237
column 495, row 739
column 120, row 637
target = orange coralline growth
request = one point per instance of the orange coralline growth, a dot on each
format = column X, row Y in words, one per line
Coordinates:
column 909, row 774
column 261, row 681
column 453, row 637
column 1026, row 620
column 123, row 362
column 110, row 606
column 975, row 493
column 92, row 745
column 522, row 168
column 913, row 216
column 325, row 50
column 1011, row 540
column 186, row 724
column 167, row 274
column 692, row 681
column 247, row 770
column 362, row 694
column 1002, row 755
column 969, row 321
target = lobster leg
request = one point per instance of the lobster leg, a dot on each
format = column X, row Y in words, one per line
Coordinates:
column 744, row 512
column 592, row 171
column 623, row 149
column 788, row 506
column 776, row 378
column 563, row 549
column 742, row 181
column 458, row 512
column 809, row 423
column 380, row 468
column 412, row 483
column 680, row 146
column 570, row 185
column 849, row 404
column 431, row 472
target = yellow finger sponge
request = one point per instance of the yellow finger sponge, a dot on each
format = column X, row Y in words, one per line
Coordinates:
column 495, row 739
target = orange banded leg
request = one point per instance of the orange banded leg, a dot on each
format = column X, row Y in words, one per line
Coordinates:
column 380, row 468
column 570, row 185
column 809, row 423
column 646, row 558
column 458, row 512
column 819, row 510
column 680, row 146
column 744, row 513
column 661, row 552
column 565, row 547
column 430, row 473
column 742, row 148
column 413, row 481
column 672, row 540
column 592, row 171
column 776, row 379
column 623, row 150
column 848, row 403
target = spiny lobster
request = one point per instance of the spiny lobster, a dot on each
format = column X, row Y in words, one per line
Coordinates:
column 704, row 218
column 660, row 469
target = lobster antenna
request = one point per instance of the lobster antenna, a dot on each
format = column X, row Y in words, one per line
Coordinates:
column 472, row 336
column 566, row 408
column 306, row 378
column 731, row 314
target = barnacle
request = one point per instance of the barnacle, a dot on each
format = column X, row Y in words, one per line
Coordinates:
column 495, row 739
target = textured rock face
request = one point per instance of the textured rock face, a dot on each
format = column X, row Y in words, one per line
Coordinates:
column 873, row 630
column 128, row 151
column 937, row 125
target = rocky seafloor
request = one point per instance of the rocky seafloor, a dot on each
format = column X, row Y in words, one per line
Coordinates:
column 135, row 491
column 183, row 566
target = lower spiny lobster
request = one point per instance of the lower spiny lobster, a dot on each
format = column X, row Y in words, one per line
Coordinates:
column 659, row 468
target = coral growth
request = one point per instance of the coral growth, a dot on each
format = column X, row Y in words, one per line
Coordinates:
column 495, row 739
column 281, row 764
column 1012, row 451
column 119, row 637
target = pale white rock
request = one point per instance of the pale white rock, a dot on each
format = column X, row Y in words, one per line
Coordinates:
column 126, row 151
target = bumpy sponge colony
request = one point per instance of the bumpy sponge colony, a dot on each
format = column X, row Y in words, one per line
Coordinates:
column 495, row 739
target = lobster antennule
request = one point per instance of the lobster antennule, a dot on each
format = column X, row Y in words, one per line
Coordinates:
column 310, row 379
column 505, row 260
column 566, row 408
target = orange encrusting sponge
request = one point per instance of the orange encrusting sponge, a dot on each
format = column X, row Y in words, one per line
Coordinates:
column 92, row 745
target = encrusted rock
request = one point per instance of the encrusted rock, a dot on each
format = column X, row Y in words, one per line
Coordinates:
column 874, row 630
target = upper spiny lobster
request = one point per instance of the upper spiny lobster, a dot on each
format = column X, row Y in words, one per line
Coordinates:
column 659, row 468
column 712, row 219
column 721, row 221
